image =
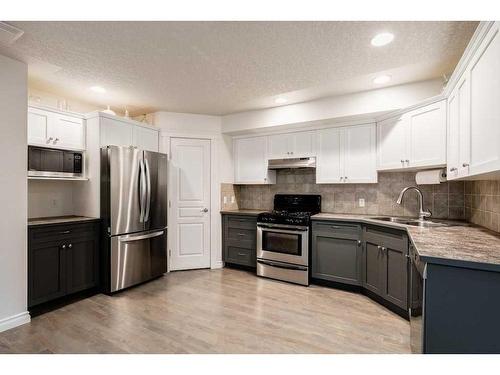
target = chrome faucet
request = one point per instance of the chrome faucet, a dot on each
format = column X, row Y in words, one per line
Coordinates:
column 421, row 213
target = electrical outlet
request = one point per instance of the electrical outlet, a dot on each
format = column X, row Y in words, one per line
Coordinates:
column 361, row 202
column 232, row 199
column 54, row 203
column 225, row 199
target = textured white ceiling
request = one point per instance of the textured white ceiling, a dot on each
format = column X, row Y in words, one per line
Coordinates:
column 225, row 67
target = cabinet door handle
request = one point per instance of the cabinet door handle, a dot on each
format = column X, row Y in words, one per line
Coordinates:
column 65, row 232
column 241, row 254
column 63, row 247
column 241, row 234
column 465, row 165
column 453, row 169
column 407, row 161
column 56, row 140
column 379, row 247
column 49, row 139
column 359, row 242
column 70, row 246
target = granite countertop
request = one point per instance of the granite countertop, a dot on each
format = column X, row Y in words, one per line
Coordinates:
column 461, row 244
column 58, row 220
column 243, row 212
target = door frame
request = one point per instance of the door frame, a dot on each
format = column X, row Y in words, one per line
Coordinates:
column 215, row 222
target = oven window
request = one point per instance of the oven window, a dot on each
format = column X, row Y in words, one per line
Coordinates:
column 285, row 243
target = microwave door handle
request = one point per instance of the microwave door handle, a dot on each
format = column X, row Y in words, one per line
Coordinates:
column 148, row 191
column 141, row 191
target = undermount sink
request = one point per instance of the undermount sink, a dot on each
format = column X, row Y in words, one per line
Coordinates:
column 409, row 221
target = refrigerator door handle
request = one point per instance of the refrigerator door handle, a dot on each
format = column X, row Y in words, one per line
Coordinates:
column 148, row 191
column 141, row 236
column 142, row 191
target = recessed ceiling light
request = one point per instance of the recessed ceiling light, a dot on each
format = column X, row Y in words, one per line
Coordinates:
column 380, row 80
column 382, row 39
column 280, row 100
column 99, row 89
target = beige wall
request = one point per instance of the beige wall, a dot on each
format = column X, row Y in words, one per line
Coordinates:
column 50, row 198
column 482, row 203
column 13, row 193
column 445, row 200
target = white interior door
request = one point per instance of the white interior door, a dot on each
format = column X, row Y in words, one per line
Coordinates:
column 189, row 225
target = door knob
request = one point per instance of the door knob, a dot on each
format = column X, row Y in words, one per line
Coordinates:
column 204, row 210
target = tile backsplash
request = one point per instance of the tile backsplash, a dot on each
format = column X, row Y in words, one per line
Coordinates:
column 482, row 203
column 445, row 200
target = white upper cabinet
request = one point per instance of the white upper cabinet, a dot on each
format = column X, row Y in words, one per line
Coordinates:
column 416, row 139
column 49, row 128
column 484, row 76
column 38, row 127
column 250, row 161
column 330, row 159
column 118, row 132
column 391, row 147
column 458, row 147
column 69, row 132
column 346, row 155
column 291, row 145
column 145, row 138
column 360, row 154
column 427, row 136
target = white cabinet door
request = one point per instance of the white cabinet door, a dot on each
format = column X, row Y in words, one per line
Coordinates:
column 146, row 139
column 464, row 127
column 427, row 136
column 279, row 146
column 250, row 161
column 116, row 133
column 392, row 143
column 38, row 127
column 303, row 144
column 68, row 132
column 485, row 105
column 360, row 156
column 329, row 162
column 453, row 147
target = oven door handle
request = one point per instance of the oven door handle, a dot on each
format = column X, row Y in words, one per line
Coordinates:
column 281, row 229
column 281, row 265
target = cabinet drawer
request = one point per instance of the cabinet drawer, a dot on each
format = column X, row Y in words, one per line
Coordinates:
column 241, row 222
column 337, row 229
column 238, row 255
column 240, row 234
column 387, row 237
column 62, row 232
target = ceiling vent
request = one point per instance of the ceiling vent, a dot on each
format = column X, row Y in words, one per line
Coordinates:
column 9, row 34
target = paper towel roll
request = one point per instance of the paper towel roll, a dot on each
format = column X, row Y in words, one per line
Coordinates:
column 434, row 176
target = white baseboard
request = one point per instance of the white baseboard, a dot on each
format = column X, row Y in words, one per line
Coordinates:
column 14, row 321
column 217, row 265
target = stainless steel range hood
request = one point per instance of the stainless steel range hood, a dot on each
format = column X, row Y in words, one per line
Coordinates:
column 292, row 163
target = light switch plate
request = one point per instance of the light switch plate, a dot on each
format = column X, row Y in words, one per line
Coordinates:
column 361, row 202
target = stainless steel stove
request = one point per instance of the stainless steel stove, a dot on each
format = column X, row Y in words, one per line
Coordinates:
column 283, row 238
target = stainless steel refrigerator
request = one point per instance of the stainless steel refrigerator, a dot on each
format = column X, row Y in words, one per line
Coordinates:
column 134, row 216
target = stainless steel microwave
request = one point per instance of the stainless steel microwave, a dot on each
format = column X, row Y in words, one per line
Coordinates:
column 49, row 162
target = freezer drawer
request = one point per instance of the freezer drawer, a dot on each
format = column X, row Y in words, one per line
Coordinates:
column 137, row 257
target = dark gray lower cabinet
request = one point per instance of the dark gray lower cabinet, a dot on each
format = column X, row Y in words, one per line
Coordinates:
column 239, row 239
column 62, row 259
column 386, row 264
column 373, row 257
column 336, row 254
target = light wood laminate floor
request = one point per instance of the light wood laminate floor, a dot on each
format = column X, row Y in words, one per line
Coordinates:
column 215, row 311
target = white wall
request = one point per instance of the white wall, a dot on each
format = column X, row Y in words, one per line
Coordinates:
column 337, row 107
column 13, row 193
column 50, row 198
